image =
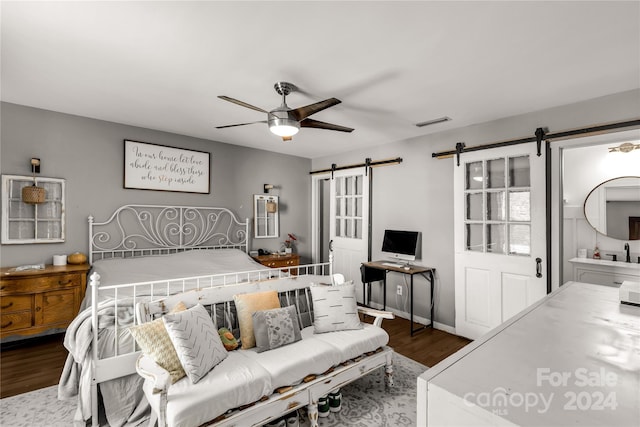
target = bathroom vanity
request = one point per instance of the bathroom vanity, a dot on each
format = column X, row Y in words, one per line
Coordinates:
column 604, row 272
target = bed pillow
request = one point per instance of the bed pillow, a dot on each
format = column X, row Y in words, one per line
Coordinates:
column 246, row 305
column 275, row 328
column 335, row 308
column 154, row 341
column 196, row 341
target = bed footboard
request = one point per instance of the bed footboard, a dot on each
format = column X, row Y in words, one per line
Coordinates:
column 117, row 312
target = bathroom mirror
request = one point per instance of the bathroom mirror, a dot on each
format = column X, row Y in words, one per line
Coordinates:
column 613, row 208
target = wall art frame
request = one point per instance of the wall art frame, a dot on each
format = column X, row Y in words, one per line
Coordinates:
column 157, row 167
column 24, row 223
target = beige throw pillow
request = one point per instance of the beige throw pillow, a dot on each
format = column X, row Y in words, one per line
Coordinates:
column 154, row 341
column 246, row 305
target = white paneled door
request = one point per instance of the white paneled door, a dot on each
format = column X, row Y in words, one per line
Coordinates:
column 500, row 236
column 349, row 222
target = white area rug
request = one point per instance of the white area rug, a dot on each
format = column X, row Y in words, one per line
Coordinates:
column 365, row 403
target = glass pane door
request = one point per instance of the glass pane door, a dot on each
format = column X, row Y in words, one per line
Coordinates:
column 497, row 206
column 348, row 206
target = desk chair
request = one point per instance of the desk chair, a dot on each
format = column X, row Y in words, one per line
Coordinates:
column 369, row 275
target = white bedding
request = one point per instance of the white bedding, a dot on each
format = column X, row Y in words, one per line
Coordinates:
column 116, row 271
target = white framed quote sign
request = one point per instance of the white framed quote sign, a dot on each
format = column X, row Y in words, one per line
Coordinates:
column 159, row 167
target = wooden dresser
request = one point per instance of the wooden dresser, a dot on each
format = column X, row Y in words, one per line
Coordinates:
column 35, row 301
column 279, row 261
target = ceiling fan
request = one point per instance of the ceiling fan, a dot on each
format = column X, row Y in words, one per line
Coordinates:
column 286, row 122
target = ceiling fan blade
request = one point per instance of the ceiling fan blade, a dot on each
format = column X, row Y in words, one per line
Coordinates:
column 239, row 124
column 317, row 124
column 304, row 112
column 244, row 104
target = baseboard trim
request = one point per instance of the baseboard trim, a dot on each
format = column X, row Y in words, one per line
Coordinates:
column 416, row 318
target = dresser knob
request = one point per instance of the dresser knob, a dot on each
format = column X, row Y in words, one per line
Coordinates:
column 61, row 283
column 7, row 306
column 6, row 325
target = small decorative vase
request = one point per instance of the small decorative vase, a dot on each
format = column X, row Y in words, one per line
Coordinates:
column 77, row 258
column 288, row 250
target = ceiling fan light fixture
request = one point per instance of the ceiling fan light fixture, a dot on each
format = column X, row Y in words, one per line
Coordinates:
column 284, row 127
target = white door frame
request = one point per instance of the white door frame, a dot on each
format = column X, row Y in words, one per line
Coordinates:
column 316, row 179
column 557, row 193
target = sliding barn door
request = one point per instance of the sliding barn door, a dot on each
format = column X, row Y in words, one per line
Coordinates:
column 349, row 221
column 500, row 236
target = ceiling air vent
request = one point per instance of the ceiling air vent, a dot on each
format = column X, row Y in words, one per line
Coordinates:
column 434, row 121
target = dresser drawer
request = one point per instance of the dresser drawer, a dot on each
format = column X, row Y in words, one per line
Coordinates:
column 56, row 307
column 40, row 284
column 13, row 321
column 9, row 304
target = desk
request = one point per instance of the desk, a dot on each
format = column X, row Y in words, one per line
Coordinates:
column 426, row 272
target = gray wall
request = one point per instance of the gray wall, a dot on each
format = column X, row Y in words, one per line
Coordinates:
column 88, row 153
column 418, row 193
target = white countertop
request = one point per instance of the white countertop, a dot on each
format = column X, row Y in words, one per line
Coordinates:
column 574, row 350
column 606, row 262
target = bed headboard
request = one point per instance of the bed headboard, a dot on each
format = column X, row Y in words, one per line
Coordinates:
column 141, row 230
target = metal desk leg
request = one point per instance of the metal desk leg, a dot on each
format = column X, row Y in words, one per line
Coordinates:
column 411, row 304
column 411, row 293
column 384, row 292
column 432, row 296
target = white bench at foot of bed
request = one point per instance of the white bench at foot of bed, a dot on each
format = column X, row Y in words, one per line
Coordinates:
column 250, row 388
column 264, row 409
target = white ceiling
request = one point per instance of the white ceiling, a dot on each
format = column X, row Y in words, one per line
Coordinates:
column 161, row 65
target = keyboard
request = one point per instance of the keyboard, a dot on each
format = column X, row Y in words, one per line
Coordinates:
column 392, row 264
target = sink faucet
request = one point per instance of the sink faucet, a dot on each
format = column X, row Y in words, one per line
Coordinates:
column 626, row 248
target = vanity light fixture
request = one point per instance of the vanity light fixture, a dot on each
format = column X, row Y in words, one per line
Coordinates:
column 625, row 147
column 32, row 194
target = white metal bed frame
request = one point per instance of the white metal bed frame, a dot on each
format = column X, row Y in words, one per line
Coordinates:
column 144, row 230
column 141, row 230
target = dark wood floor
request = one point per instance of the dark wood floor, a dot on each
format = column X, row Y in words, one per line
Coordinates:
column 36, row 363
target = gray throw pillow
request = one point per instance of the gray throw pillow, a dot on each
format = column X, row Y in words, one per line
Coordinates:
column 196, row 341
column 275, row 328
column 335, row 308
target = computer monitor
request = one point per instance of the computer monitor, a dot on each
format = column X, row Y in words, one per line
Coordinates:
column 402, row 245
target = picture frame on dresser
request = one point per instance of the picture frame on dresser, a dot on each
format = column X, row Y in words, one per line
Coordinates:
column 24, row 223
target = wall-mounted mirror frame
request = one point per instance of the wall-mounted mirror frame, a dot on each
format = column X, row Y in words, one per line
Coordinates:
column 612, row 208
column 266, row 210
